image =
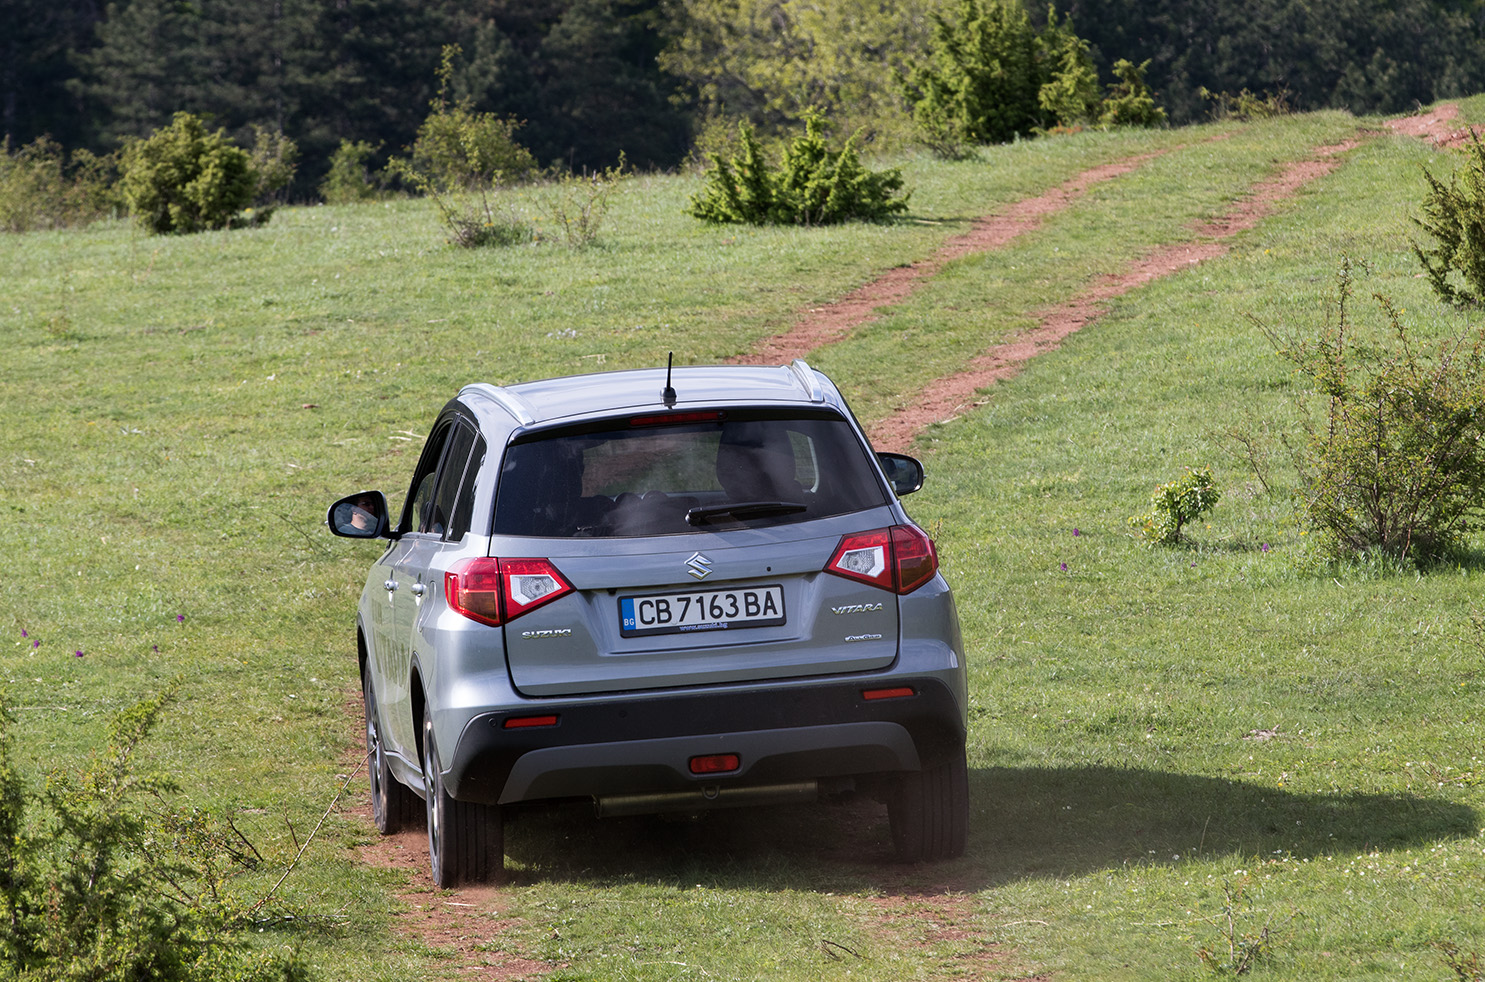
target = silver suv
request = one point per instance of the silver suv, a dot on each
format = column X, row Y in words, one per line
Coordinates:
column 662, row 594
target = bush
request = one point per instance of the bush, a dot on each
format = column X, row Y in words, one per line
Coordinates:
column 813, row 185
column 1176, row 504
column 40, row 188
column 1246, row 106
column 1396, row 459
column 1455, row 216
column 182, row 179
column 981, row 81
column 577, row 204
column 1130, row 102
column 350, row 176
column 94, row 887
column 458, row 149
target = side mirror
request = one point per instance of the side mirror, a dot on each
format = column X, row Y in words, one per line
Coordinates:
column 904, row 473
column 362, row 515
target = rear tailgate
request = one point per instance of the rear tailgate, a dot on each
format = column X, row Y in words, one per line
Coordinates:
column 707, row 608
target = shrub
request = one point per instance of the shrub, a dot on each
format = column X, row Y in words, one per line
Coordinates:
column 577, row 204
column 1246, row 106
column 813, row 185
column 1130, row 102
column 40, row 188
column 980, row 83
column 1395, row 460
column 1454, row 215
column 350, row 177
column 95, row 887
column 182, row 179
column 1176, row 504
column 458, row 149
column 1070, row 94
column 275, row 158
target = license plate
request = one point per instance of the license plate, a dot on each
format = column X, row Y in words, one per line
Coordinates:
column 701, row 610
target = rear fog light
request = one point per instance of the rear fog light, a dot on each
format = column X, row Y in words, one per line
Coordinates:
column 715, row 764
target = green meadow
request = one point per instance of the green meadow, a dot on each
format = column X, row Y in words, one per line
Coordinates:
column 1241, row 740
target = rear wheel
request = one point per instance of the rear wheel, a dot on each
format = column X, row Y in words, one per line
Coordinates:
column 929, row 812
column 393, row 806
column 466, row 841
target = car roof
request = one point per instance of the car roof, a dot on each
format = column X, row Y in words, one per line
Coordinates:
column 574, row 396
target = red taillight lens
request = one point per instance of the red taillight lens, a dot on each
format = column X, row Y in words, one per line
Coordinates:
column 473, row 589
column 493, row 591
column 914, row 557
column 900, row 558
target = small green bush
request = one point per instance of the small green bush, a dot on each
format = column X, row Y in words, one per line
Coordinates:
column 577, row 204
column 1395, row 459
column 182, row 179
column 1246, row 106
column 98, row 886
column 40, row 188
column 350, row 177
column 1176, row 504
column 1130, row 102
column 1454, row 215
column 458, row 149
column 813, row 184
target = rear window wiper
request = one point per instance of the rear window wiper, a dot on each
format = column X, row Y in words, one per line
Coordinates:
column 742, row 511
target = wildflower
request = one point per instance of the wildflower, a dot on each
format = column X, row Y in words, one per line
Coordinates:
column 35, row 644
column 1264, row 547
column 180, row 618
column 79, row 652
column 1064, row 567
column 24, row 634
column 1077, row 532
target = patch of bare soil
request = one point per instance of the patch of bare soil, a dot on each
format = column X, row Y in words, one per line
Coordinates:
column 947, row 397
column 1436, row 125
column 824, row 325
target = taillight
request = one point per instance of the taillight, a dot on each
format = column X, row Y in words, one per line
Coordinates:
column 494, row 591
column 900, row 558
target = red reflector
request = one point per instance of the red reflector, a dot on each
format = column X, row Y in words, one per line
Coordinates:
column 899, row 693
column 715, row 764
column 523, row 722
column 670, row 419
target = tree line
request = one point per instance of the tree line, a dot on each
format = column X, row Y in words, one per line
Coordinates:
column 590, row 79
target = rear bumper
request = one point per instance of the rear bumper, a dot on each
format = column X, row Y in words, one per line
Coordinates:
column 636, row 745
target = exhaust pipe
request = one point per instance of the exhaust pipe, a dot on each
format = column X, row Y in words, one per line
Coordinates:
column 705, row 799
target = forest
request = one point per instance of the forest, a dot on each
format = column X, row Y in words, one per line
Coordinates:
column 588, row 80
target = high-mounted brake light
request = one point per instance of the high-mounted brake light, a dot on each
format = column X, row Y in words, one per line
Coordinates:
column 899, row 558
column 494, row 591
column 671, row 419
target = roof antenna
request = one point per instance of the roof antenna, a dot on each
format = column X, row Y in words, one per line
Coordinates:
column 668, row 393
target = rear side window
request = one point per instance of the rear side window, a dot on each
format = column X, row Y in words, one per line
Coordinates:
column 742, row 470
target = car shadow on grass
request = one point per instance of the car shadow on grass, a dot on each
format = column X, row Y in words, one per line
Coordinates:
column 1024, row 823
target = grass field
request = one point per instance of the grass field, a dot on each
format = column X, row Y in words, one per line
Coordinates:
column 1171, row 749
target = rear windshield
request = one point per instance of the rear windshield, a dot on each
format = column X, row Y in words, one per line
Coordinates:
column 740, row 470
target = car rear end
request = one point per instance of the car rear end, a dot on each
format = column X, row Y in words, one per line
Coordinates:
column 680, row 609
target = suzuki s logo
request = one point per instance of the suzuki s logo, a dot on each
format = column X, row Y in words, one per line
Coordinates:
column 699, row 566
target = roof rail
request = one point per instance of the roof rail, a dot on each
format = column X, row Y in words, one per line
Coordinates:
column 807, row 380
column 523, row 411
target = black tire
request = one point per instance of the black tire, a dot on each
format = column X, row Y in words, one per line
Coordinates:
column 393, row 806
column 929, row 812
column 466, row 841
